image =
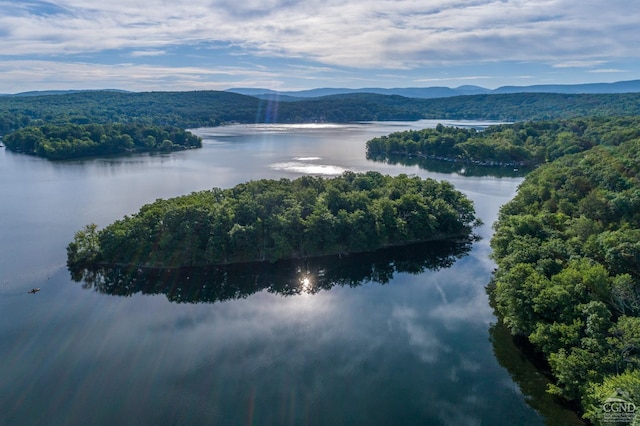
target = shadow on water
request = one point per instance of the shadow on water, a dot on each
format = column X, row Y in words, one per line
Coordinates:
column 531, row 373
column 450, row 167
column 292, row 277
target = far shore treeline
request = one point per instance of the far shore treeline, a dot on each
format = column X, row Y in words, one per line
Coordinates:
column 268, row 220
column 213, row 108
column 68, row 125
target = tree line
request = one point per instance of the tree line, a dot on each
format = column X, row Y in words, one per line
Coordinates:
column 57, row 142
column 213, row 108
column 518, row 144
column 568, row 278
column 268, row 220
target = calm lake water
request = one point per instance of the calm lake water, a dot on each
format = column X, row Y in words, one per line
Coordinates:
column 397, row 338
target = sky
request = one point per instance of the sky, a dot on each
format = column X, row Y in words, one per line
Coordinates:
column 175, row 45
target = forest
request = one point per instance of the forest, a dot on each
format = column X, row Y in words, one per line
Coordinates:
column 568, row 278
column 213, row 108
column 519, row 144
column 61, row 142
column 269, row 220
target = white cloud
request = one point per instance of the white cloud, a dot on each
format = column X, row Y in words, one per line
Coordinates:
column 334, row 36
column 578, row 64
column 142, row 53
column 38, row 75
column 607, row 70
column 372, row 33
column 465, row 78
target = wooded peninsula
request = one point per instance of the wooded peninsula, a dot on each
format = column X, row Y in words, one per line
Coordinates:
column 568, row 254
column 269, row 220
column 519, row 144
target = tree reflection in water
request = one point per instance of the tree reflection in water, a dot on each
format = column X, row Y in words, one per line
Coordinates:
column 529, row 373
column 292, row 277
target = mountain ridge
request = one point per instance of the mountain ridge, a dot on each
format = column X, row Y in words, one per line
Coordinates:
column 629, row 86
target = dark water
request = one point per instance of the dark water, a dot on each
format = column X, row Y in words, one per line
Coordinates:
column 398, row 337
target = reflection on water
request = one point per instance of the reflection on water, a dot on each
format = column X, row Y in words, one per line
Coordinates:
column 530, row 372
column 212, row 284
column 532, row 382
column 449, row 167
column 308, row 165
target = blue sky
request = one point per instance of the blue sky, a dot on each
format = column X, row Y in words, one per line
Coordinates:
column 144, row 45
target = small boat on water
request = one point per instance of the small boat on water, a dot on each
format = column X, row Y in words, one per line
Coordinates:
column 34, row 290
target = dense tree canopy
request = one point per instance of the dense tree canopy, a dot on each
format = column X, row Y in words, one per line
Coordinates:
column 568, row 254
column 517, row 144
column 79, row 140
column 277, row 219
column 211, row 108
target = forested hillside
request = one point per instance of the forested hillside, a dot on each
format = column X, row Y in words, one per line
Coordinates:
column 211, row 108
column 568, row 278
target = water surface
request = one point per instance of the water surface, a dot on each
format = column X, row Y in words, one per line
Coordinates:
column 385, row 344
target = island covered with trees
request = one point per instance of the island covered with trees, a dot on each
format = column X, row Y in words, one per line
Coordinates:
column 269, row 220
column 518, row 144
column 58, row 142
column 568, row 279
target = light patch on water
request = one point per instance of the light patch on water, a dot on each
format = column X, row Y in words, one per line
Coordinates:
column 308, row 158
column 286, row 128
column 309, row 168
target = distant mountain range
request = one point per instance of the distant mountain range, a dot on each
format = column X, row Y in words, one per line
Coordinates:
column 61, row 92
column 631, row 86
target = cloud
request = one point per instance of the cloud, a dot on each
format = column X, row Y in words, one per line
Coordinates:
column 578, row 64
column 372, row 33
column 607, row 70
column 464, row 78
column 142, row 53
column 318, row 42
column 22, row 75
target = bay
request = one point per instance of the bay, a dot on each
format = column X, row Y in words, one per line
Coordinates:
column 356, row 341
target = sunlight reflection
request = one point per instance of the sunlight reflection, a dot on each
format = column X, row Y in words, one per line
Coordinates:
column 306, row 284
column 308, row 168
